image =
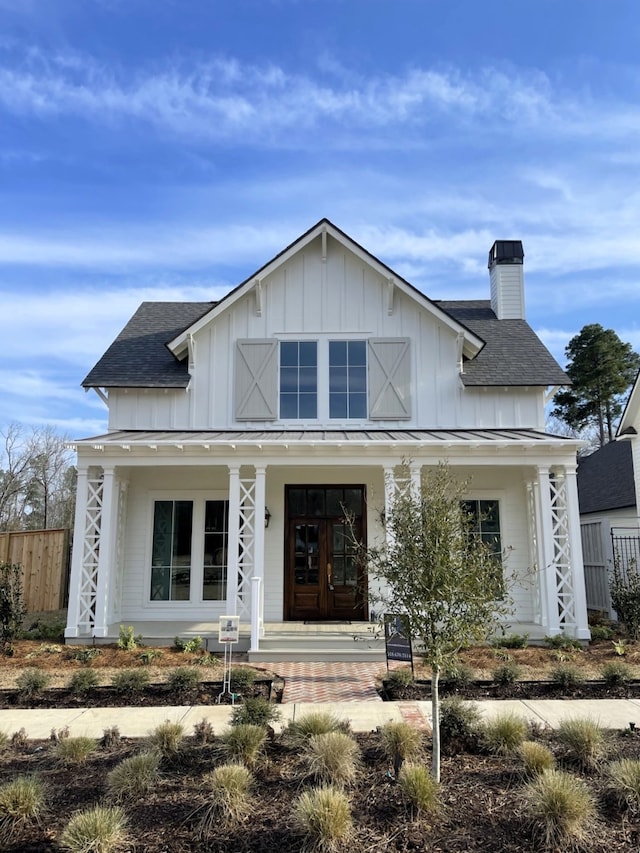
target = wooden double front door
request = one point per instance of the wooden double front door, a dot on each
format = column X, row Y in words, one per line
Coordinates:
column 323, row 579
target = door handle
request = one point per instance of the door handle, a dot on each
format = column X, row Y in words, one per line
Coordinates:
column 329, row 575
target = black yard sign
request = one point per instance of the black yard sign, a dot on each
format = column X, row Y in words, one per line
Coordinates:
column 397, row 639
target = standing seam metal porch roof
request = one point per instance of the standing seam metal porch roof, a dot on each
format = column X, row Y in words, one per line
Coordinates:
column 327, row 437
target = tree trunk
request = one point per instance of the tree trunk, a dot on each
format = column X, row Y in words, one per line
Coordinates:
column 435, row 722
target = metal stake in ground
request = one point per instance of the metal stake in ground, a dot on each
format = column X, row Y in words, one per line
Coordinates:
column 228, row 634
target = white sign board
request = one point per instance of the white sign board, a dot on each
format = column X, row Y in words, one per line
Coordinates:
column 229, row 629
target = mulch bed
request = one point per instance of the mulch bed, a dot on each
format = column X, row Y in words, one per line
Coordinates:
column 421, row 690
column 481, row 796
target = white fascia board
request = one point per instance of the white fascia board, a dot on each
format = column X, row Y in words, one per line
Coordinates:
column 472, row 343
column 631, row 415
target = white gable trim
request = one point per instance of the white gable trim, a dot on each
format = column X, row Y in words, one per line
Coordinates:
column 472, row 343
column 631, row 413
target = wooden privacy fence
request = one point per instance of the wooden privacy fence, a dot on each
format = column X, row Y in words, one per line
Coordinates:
column 44, row 557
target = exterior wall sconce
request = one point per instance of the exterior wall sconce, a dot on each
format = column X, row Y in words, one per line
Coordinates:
column 267, row 516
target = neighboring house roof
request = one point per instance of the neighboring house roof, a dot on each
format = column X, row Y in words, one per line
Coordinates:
column 513, row 354
column 139, row 358
column 605, row 479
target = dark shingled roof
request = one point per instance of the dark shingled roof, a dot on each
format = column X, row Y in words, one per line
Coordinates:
column 513, row 354
column 605, row 478
column 139, row 357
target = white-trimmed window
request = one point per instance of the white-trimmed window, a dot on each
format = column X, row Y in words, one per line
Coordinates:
column 189, row 550
column 347, row 380
column 298, row 380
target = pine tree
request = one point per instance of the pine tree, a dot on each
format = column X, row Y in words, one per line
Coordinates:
column 601, row 368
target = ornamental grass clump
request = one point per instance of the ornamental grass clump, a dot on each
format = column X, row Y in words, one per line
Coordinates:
column 401, row 742
column 22, row 804
column 74, row 750
column 101, row 829
column 130, row 681
column 560, row 808
column 135, row 776
column 244, row 743
column 419, row 788
column 583, row 740
column 331, row 758
column 324, row 816
column 227, row 790
column 256, row 711
column 31, row 682
column 505, row 733
column 314, row 723
column 536, row 757
column 624, row 781
column 168, row 740
column 83, row 682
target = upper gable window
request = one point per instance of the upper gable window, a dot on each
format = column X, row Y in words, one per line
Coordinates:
column 347, row 379
column 298, row 380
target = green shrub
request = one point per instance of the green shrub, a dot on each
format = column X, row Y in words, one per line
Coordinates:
column 313, row 723
column 75, row 750
column 419, row 788
column 560, row 808
column 22, row 804
column 506, row 674
column 101, row 829
column 244, row 743
column 12, row 609
column 601, row 632
column 187, row 646
column 134, row 776
column 183, row 678
column 331, row 758
column 167, row 739
column 511, row 641
column 566, row 676
column 505, row 733
column 624, row 586
column 83, row 681
column 536, row 757
column 398, row 679
column 616, row 674
column 31, row 682
column 561, row 641
column 149, row 655
column 110, row 737
column 227, row 792
column 241, row 677
column 460, row 724
column 458, row 675
column 624, row 776
column 583, row 740
column 401, row 742
column 127, row 640
column 256, row 711
column 203, row 731
column 84, row 655
column 46, row 629
column 129, row 681
column 324, row 816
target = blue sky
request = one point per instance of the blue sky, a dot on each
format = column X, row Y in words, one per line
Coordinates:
column 165, row 149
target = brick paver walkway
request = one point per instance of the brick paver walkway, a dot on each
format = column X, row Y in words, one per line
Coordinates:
column 329, row 682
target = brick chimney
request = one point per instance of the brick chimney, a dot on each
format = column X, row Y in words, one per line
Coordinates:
column 507, row 279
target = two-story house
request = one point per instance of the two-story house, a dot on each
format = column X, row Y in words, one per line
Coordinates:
column 239, row 431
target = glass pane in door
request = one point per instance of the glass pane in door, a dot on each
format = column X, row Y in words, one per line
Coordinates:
column 306, row 554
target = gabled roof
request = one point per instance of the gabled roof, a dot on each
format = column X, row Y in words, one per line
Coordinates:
column 150, row 351
column 139, row 358
column 605, row 479
column 472, row 343
column 513, row 353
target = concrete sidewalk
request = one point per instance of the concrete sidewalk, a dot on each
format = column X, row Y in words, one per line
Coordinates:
column 363, row 716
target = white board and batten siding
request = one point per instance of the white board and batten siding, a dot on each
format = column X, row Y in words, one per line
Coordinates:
column 342, row 299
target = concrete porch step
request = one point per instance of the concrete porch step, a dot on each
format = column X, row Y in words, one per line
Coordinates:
column 326, row 646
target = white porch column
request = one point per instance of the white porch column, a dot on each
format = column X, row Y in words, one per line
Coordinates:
column 582, row 631
column 233, row 541
column 107, row 552
column 257, row 602
column 546, row 555
column 73, row 611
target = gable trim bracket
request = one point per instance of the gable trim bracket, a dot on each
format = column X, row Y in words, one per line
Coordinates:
column 101, row 392
column 550, row 393
column 390, row 293
column 258, row 293
column 460, row 351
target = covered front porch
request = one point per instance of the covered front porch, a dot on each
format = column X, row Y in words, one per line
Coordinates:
column 283, row 564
